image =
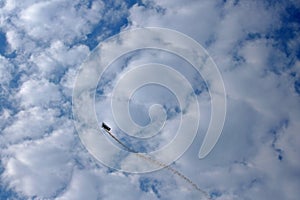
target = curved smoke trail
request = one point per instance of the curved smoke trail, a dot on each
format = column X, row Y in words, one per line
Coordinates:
column 161, row 164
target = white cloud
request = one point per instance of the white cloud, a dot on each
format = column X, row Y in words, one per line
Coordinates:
column 48, row 19
column 42, row 167
column 14, row 39
column 97, row 184
column 30, row 124
column 54, row 61
column 39, row 93
column 196, row 19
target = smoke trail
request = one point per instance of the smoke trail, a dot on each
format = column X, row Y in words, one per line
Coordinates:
column 156, row 162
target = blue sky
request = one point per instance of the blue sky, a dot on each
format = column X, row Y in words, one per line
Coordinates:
column 255, row 45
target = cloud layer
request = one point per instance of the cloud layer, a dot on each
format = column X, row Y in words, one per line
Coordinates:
column 255, row 44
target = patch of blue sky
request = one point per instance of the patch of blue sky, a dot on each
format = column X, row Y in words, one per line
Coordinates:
column 253, row 36
column 288, row 30
column 3, row 43
column 6, row 193
column 275, row 131
column 297, row 86
column 149, row 184
column 105, row 27
column 215, row 194
column 5, row 101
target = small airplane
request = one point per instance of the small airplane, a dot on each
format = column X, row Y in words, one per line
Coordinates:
column 105, row 127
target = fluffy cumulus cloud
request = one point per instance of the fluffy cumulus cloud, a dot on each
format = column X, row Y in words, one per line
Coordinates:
column 255, row 44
